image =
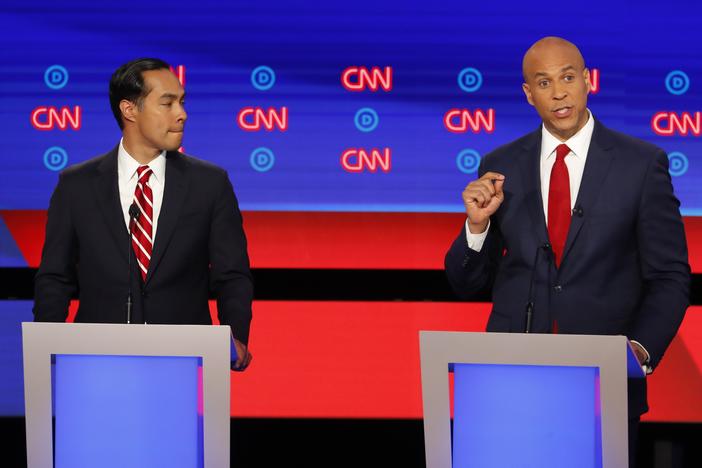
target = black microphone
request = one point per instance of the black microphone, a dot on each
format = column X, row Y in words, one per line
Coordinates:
column 134, row 214
column 578, row 211
column 546, row 247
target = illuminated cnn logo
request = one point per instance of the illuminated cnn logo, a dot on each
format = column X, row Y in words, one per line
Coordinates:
column 253, row 119
column 359, row 160
column 670, row 123
column 50, row 117
column 179, row 72
column 361, row 78
column 594, row 81
column 463, row 120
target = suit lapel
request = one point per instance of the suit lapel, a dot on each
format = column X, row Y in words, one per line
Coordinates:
column 599, row 159
column 529, row 162
column 174, row 194
column 107, row 195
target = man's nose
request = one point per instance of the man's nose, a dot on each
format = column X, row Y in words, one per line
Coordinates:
column 559, row 91
column 182, row 115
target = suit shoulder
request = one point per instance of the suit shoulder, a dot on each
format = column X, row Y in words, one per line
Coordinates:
column 632, row 146
column 505, row 154
column 512, row 146
column 201, row 166
column 205, row 174
column 84, row 169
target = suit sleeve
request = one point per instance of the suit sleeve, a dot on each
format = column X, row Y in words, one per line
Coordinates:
column 664, row 264
column 230, row 275
column 471, row 272
column 56, row 282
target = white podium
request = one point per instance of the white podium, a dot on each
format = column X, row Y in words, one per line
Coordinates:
column 528, row 400
column 126, row 395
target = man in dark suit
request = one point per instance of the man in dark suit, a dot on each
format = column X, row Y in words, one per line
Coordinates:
column 577, row 223
column 173, row 218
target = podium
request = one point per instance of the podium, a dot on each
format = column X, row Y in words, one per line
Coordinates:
column 114, row 395
column 530, row 400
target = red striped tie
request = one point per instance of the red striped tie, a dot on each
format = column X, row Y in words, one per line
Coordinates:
column 559, row 203
column 142, row 241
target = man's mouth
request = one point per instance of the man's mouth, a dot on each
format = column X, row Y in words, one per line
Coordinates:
column 564, row 111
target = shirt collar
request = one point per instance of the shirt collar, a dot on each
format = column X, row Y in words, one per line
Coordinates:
column 578, row 143
column 127, row 165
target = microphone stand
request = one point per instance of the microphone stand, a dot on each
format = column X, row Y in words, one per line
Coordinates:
column 134, row 214
column 530, row 304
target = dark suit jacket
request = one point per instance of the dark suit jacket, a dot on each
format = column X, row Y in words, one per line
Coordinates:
column 199, row 246
column 624, row 269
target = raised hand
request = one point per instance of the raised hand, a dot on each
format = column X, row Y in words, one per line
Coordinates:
column 482, row 198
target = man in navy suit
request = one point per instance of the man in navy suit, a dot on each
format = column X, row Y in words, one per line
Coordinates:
column 576, row 223
column 146, row 221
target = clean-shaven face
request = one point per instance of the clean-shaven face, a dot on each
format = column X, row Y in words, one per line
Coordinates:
column 160, row 118
column 557, row 84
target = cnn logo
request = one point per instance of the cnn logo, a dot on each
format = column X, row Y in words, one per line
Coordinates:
column 362, row 78
column 464, row 120
column 50, row 117
column 357, row 160
column 253, row 119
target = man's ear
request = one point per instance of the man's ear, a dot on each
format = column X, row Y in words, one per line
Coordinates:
column 527, row 93
column 129, row 110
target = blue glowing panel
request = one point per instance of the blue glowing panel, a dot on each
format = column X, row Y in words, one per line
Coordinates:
column 127, row 411
column 526, row 416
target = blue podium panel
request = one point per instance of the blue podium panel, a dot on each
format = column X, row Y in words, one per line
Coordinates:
column 526, row 416
column 127, row 411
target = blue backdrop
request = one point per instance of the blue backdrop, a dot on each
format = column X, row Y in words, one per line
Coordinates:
column 647, row 55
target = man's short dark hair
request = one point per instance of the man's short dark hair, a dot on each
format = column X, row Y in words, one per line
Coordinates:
column 127, row 82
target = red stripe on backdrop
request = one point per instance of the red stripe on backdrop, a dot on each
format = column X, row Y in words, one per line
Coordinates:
column 331, row 240
column 675, row 388
column 361, row 360
column 341, row 359
column 27, row 228
column 693, row 231
column 351, row 240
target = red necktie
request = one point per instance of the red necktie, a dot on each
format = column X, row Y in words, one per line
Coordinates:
column 142, row 241
column 559, row 203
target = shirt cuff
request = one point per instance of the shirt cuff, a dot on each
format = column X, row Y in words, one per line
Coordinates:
column 646, row 367
column 476, row 241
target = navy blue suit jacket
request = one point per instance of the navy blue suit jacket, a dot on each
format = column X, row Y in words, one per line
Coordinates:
column 199, row 247
column 624, row 269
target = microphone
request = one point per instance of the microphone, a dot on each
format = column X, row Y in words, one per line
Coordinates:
column 134, row 214
column 546, row 247
column 578, row 211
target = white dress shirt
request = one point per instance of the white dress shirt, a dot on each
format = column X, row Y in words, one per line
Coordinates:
column 127, row 180
column 579, row 145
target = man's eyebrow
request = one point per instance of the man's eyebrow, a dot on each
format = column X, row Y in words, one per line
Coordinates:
column 566, row 68
column 170, row 96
